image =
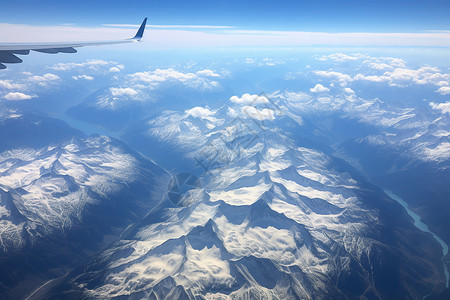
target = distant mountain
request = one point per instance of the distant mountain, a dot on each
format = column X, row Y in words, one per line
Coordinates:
column 24, row 129
column 399, row 147
column 117, row 112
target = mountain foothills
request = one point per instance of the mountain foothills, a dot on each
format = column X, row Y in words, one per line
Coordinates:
column 210, row 191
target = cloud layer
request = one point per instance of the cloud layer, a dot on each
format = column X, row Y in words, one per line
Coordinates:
column 174, row 36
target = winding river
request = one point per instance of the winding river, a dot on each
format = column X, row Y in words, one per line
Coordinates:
column 422, row 226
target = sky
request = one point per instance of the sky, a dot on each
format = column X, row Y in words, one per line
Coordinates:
column 286, row 15
column 198, row 24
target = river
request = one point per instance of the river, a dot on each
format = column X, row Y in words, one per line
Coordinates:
column 423, row 227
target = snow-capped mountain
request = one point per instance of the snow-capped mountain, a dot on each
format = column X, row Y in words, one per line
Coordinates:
column 68, row 200
column 50, row 188
column 422, row 132
column 400, row 146
column 272, row 215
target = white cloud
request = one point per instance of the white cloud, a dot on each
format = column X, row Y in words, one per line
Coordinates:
column 17, row 96
column 442, row 83
column 137, row 86
column 341, row 57
column 44, row 78
column 114, row 69
column 394, row 61
column 318, row 88
column 261, row 115
column 175, row 37
column 405, row 76
column 207, row 73
column 444, row 107
column 349, row 90
column 376, row 63
column 199, row 112
column 94, row 64
column 158, row 76
column 445, row 90
column 383, row 63
column 85, row 77
column 123, row 92
column 373, row 78
column 341, row 77
column 395, row 72
column 7, row 84
column 249, row 99
column 379, row 66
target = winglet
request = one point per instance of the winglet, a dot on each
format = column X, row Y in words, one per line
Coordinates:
column 140, row 32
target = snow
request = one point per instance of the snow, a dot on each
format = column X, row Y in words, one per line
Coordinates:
column 241, row 196
column 439, row 153
column 57, row 182
column 284, row 208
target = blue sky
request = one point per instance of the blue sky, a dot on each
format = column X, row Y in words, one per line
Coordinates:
column 323, row 15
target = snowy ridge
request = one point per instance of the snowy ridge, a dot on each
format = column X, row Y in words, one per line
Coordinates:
column 44, row 191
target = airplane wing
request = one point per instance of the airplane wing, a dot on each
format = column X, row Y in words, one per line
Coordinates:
column 8, row 52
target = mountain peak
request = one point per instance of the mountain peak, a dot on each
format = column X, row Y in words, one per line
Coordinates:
column 204, row 236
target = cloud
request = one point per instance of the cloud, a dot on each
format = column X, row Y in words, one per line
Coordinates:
column 138, row 86
column 261, row 115
column 349, row 90
column 94, row 64
column 377, row 63
column 17, row 96
column 85, row 77
column 319, row 89
column 199, row 112
column 174, row 36
column 444, row 107
column 373, row 78
column 207, row 73
column 340, row 57
column 394, row 72
column 445, row 90
column 114, row 69
column 405, row 76
column 7, row 84
column 44, row 78
column 249, row 99
column 341, row 77
column 379, row 66
column 442, row 83
column 158, row 76
column 122, row 92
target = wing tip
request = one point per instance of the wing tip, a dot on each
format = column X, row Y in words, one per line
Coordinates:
column 140, row 32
